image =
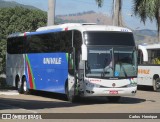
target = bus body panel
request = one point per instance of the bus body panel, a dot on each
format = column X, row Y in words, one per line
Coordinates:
column 97, row 87
column 15, row 66
column 130, row 91
column 109, row 82
column 47, row 72
column 146, row 74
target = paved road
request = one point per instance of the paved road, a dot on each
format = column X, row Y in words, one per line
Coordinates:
column 145, row 101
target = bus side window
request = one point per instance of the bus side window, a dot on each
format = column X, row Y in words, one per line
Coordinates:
column 18, row 45
column 151, row 56
column 140, row 57
column 155, row 57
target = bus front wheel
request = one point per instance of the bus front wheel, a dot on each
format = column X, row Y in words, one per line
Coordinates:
column 156, row 85
column 70, row 97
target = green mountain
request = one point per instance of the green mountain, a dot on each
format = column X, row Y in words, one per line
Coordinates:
column 12, row 4
column 141, row 36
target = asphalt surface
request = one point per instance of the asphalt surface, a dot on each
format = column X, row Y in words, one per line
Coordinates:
column 145, row 101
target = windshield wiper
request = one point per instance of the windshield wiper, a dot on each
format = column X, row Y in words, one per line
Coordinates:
column 110, row 64
column 103, row 73
column 105, row 69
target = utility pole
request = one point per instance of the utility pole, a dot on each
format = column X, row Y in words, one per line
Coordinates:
column 51, row 12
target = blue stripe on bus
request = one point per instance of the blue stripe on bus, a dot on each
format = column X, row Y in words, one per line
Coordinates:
column 44, row 32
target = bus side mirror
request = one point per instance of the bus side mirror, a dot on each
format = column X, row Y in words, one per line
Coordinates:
column 84, row 52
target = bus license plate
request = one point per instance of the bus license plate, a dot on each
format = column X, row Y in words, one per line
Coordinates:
column 113, row 92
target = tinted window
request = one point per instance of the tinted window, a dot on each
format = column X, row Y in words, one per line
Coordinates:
column 52, row 42
column 140, row 57
column 153, row 56
column 15, row 45
column 109, row 38
column 37, row 44
column 45, row 43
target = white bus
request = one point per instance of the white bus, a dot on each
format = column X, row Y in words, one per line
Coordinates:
column 74, row 59
column 149, row 65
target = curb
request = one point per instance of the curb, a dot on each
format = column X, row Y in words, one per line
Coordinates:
column 9, row 92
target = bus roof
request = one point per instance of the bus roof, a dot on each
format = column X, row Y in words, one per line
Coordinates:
column 72, row 26
column 150, row 46
column 16, row 34
column 84, row 27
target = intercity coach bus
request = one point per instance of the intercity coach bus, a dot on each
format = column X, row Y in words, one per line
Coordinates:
column 149, row 66
column 74, row 59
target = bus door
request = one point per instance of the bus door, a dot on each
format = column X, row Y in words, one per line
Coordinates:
column 72, row 72
column 74, row 63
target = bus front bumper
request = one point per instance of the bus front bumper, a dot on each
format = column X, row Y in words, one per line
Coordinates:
column 130, row 91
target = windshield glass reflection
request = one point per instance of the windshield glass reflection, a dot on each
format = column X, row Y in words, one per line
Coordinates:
column 111, row 62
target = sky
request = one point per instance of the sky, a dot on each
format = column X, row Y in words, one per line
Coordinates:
column 74, row 6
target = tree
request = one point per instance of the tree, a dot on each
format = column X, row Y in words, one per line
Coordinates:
column 148, row 9
column 99, row 3
column 17, row 19
column 117, row 11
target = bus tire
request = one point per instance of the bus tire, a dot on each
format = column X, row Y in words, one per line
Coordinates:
column 19, row 87
column 156, row 85
column 16, row 82
column 24, row 86
column 113, row 98
column 70, row 98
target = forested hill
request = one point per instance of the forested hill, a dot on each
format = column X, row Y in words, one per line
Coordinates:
column 12, row 4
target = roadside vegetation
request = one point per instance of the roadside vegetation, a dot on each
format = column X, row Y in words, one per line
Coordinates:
column 14, row 20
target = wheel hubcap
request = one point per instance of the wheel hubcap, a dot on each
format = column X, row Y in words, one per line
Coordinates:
column 25, row 86
column 19, row 85
column 158, row 85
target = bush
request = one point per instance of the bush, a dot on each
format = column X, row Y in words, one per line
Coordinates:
column 14, row 20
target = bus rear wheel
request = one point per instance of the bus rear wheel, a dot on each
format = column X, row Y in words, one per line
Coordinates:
column 24, row 87
column 156, row 85
column 19, row 87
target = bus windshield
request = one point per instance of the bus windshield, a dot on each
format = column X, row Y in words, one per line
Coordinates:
column 111, row 62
